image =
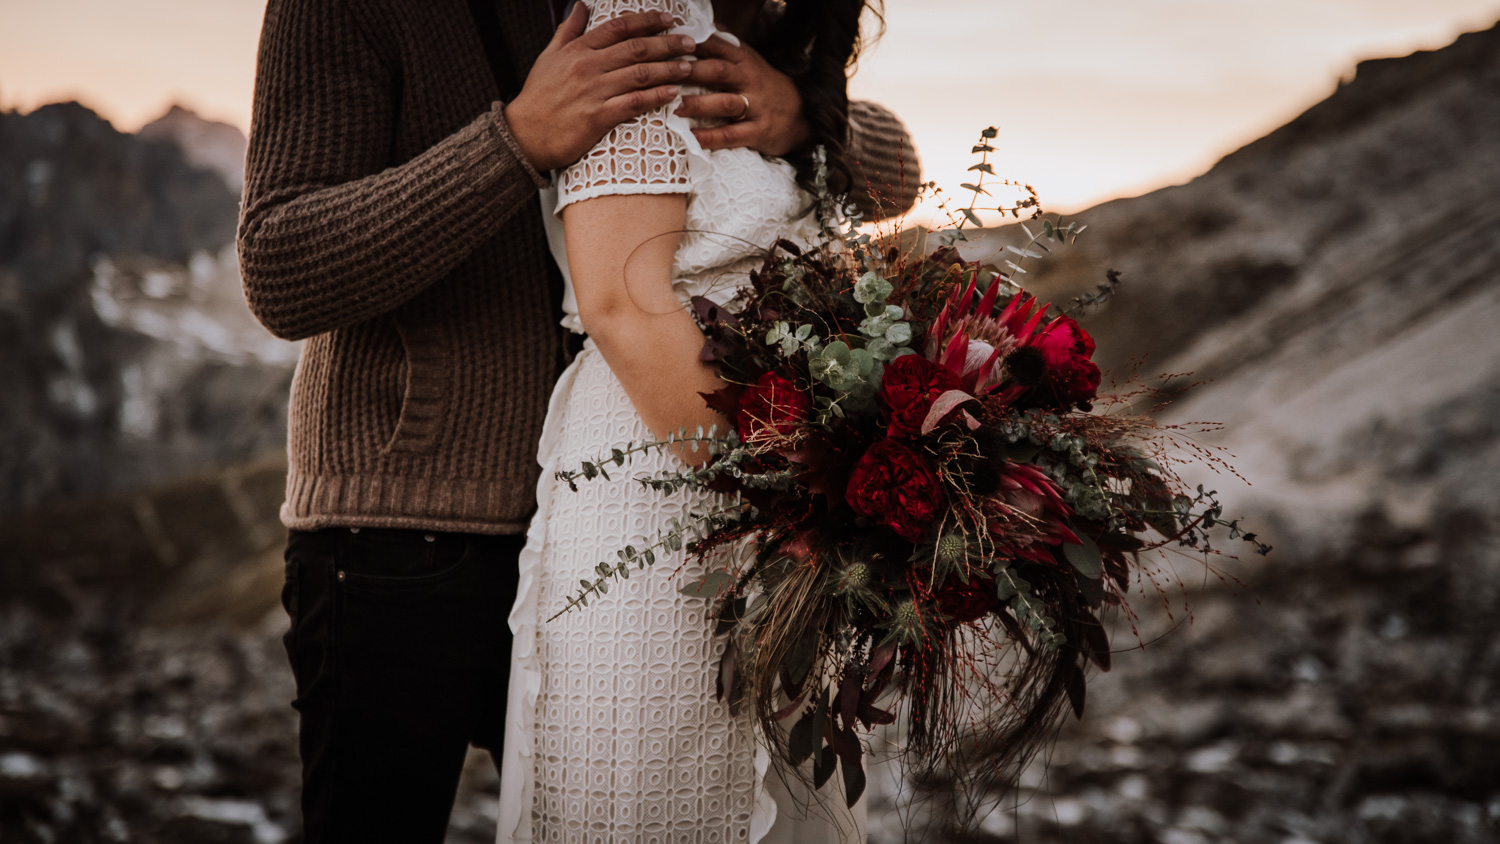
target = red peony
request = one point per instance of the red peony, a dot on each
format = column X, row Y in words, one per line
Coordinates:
column 771, row 407
column 965, row 601
column 908, row 388
column 1070, row 375
column 893, row 485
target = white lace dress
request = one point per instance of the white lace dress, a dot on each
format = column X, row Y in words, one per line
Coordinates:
column 614, row 732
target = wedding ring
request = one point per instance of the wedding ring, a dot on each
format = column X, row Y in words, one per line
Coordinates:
column 746, row 113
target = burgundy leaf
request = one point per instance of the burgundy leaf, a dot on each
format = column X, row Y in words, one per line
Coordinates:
column 725, row 401
column 728, row 669
column 1095, row 641
column 1076, row 690
column 848, row 697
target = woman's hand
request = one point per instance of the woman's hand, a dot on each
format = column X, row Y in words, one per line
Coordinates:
column 583, row 85
column 762, row 101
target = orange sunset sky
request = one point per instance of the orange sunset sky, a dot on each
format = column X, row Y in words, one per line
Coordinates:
column 1095, row 98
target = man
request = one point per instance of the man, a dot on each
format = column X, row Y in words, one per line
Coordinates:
column 391, row 218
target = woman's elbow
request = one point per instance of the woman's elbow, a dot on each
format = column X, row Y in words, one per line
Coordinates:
column 606, row 317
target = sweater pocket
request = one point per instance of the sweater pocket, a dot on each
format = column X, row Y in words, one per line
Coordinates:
column 426, row 396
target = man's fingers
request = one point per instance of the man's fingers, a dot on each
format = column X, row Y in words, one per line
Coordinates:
column 717, row 74
column 727, row 106
column 571, row 27
column 644, row 75
column 625, row 27
column 652, row 49
column 718, row 48
column 726, row 137
column 636, row 103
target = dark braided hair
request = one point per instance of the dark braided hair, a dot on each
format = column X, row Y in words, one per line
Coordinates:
column 815, row 42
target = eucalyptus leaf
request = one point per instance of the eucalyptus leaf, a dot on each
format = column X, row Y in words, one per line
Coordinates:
column 1004, row 588
column 1085, row 556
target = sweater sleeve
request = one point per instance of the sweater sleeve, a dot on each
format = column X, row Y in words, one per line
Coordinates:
column 330, row 233
column 884, row 158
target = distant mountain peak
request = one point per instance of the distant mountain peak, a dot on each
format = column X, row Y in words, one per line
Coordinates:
column 205, row 143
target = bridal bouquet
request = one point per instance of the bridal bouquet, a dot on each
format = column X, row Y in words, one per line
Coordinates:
column 929, row 513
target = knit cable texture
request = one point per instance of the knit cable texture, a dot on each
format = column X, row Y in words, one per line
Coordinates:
column 391, row 221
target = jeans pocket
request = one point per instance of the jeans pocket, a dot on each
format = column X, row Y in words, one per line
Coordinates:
column 401, row 560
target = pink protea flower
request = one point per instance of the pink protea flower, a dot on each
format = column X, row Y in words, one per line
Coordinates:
column 1027, row 515
column 980, row 347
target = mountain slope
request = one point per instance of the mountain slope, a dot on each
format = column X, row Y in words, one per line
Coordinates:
column 1337, row 284
column 127, row 351
column 205, row 143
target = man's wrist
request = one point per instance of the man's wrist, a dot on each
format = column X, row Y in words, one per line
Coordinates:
column 518, row 134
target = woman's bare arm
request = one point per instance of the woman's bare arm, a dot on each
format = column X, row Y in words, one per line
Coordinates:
column 620, row 251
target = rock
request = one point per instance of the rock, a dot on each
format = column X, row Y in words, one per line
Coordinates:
column 205, row 143
column 128, row 353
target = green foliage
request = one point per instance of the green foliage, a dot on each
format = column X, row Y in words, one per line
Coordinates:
column 1085, row 556
column 1011, row 588
column 845, row 370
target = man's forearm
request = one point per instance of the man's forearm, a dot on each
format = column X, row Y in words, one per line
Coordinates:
column 319, row 258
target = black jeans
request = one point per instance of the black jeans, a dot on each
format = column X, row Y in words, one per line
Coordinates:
column 401, row 650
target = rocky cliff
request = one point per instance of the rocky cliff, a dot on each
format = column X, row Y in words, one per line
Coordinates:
column 207, row 144
column 127, row 353
column 1336, row 283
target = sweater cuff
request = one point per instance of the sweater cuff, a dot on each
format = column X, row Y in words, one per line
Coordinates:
column 502, row 130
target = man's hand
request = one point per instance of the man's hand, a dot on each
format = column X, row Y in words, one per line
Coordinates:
column 762, row 101
column 583, row 85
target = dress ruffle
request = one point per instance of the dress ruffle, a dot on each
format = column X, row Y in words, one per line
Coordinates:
column 518, row 760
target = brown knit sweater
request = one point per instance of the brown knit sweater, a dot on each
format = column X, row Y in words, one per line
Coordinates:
column 390, row 219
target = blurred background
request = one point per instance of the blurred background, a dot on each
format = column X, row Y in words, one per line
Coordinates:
column 1304, row 201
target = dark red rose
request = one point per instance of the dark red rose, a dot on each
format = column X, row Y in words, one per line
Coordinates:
column 771, row 407
column 965, row 601
column 909, row 386
column 893, row 485
column 1070, row 374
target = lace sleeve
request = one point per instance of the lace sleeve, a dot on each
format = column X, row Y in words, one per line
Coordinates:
column 651, row 153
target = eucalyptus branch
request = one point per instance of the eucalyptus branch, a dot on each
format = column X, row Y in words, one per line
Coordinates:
column 672, row 539
column 1195, row 525
column 977, row 189
column 590, row 469
column 1051, row 232
column 1011, row 587
column 1103, row 292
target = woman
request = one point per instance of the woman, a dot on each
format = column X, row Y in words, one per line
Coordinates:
column 615, row 734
